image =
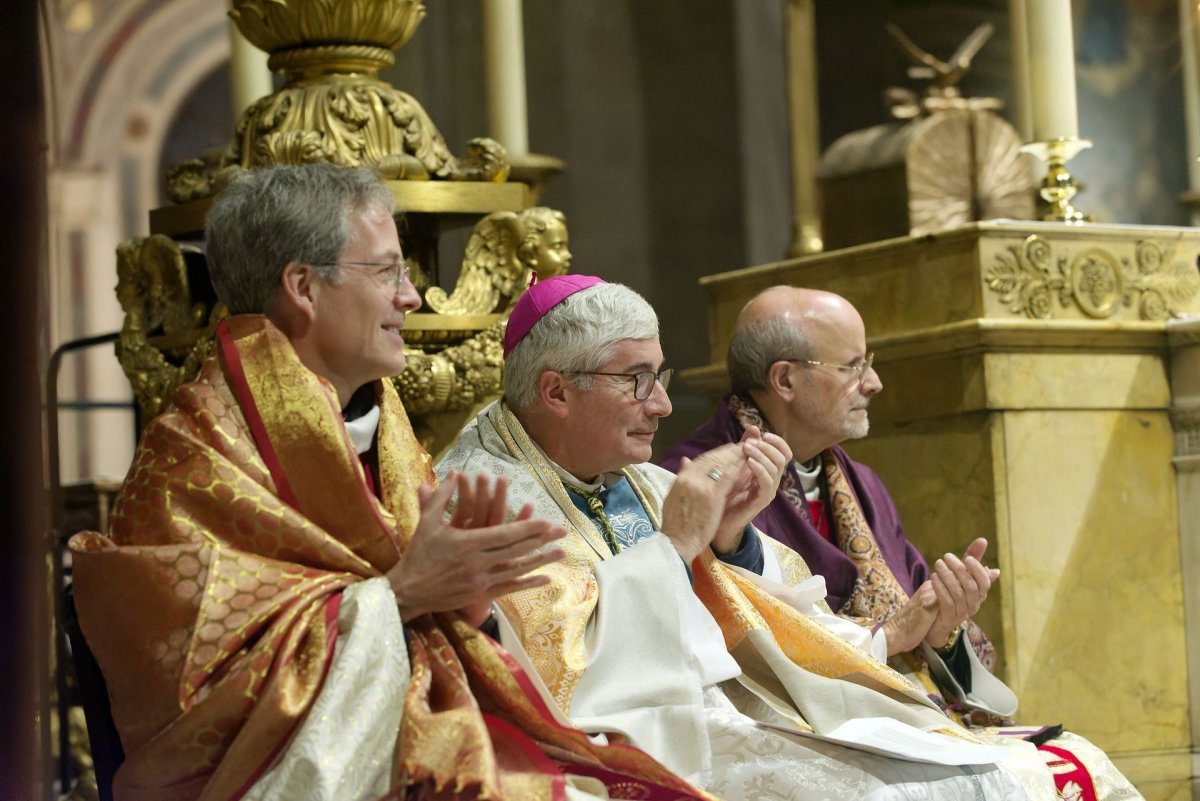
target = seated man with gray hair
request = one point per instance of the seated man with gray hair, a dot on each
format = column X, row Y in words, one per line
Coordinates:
column 799, row 367
column 282, row 608
column 671, row 623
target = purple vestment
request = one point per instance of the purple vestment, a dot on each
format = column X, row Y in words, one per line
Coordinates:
column 788, row 524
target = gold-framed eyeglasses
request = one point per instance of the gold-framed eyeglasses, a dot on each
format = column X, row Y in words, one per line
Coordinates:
column 384, row 272
column 858, row 370
column 643, row 382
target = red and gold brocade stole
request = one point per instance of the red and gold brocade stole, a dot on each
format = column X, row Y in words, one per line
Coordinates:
column 473, row 724
column 295, row 419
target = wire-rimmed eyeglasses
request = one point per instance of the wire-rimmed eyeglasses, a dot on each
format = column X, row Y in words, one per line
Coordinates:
column 859, row 370
column 393, row 272
column 643, row 382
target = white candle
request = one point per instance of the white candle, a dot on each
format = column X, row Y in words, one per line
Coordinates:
column 1051, row 69
column 249, row 76
column 504, row 63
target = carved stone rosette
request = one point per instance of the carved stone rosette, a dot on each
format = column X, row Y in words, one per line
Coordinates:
column 1030, row 277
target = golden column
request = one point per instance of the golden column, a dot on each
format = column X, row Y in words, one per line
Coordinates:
column 804, row 118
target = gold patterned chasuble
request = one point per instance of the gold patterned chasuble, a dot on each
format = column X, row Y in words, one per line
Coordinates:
column 212, row 604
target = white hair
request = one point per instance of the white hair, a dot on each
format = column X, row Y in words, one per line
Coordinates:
column 578, row 335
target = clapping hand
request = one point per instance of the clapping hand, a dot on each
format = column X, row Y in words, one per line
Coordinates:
column 719, row 492
column 910, row 625
column 475, row 557
column 766, row 457
column 961, row 585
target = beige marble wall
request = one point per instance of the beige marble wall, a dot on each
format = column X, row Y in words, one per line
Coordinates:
column 1079, row 505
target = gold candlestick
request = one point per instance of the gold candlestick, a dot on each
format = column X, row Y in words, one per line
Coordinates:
column 1059, row 187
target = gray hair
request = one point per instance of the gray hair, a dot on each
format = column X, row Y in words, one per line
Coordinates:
column 268, row 218
column 757, row 345
column 578, row 335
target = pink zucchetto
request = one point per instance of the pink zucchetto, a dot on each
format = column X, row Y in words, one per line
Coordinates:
column 539, row 299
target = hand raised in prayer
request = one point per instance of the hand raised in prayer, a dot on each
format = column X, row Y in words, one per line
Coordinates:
column 693, row 508
column 475, row 557
column 766, row 457
column 961, row 586
column 908, row 627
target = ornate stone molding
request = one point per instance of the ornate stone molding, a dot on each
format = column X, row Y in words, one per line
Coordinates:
column 1029, row 278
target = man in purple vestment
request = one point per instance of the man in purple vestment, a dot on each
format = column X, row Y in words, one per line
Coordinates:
column 799, row 367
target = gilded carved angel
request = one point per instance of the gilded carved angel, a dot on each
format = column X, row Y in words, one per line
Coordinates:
column 502, row 253
column 167, row 332
column 543, row 245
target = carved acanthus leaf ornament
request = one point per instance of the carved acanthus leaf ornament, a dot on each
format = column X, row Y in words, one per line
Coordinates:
column 1032, row 276
column 332, row 107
